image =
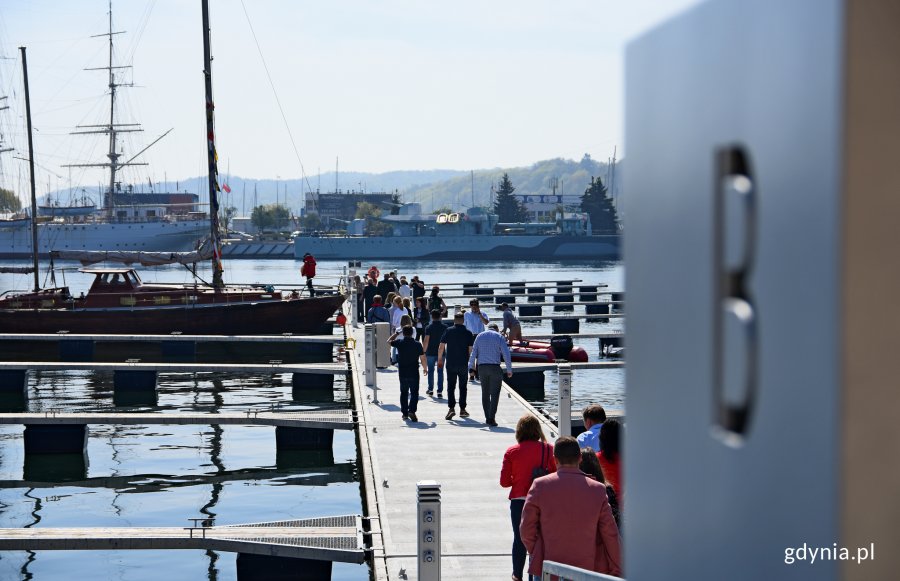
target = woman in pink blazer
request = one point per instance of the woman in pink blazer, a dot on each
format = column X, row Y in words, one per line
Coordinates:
column 567, row 518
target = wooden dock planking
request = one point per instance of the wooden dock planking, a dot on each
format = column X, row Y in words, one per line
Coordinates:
column 462, row 454
column 264, row 368
column 178, row 338
column 326, row 538
column 326, row 420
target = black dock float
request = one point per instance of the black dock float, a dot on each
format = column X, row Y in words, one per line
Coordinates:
column 529, row 385
column 508, row 299
column 312, row 387
column 536, row 294
column 12, row 381
column 587, row 294
column 517, row 288
column 252, row 567
column 564, row 325
column 55, row 439
column 597, row 310
column 530, row 310
column 180, row 350
column 138, row 380
column 469, row 289
column 76, row 350
column 287, row 438
column 54, row 468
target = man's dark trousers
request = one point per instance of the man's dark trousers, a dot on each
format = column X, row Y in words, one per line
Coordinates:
column 409, row 394
column 453, row 374
column 490, row 376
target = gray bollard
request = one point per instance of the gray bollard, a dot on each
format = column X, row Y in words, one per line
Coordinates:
column 370, row 355
column 428, row 529
column 564, row 370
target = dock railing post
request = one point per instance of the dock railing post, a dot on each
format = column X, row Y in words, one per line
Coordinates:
column 428, row 528
column 370, row 355
column 564, row 371
column 354, row 305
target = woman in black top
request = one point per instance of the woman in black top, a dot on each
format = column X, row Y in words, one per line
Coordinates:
column 421, row 317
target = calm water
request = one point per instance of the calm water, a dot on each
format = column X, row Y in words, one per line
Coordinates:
column 163, row 475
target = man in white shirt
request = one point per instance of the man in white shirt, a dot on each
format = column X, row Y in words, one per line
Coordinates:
column 475, row 319
column 593, row 416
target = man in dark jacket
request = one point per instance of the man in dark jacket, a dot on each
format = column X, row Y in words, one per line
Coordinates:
column 456, row 345
column 386, row 286
column 409, row 355
column 369, row 292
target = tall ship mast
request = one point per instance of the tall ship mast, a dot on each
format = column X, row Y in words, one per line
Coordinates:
column 112, row 128
column 131, row 219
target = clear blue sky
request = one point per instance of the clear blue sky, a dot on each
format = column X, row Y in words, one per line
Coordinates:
column 384, row 85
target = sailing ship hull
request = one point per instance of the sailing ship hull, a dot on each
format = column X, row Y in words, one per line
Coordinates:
column 162, row 236
column 298, row 316
column 460, row 247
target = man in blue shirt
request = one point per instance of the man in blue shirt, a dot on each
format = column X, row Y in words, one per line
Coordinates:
column 409, row 355
column 488, row 350
column 433, row 333
column 593, row 416
column 456, row 345
column 475, row 319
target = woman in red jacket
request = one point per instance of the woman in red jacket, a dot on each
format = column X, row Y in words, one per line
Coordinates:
column 522, row 463
column 610, row 456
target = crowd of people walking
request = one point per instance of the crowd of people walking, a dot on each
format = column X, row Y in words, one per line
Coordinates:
column 566, row 498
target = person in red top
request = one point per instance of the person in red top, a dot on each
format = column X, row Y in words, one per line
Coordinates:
column 567, row 518
column 610, row 455
column 309, row 271
column 518, row 472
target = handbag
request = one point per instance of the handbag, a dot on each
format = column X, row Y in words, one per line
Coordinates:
column 539, row 471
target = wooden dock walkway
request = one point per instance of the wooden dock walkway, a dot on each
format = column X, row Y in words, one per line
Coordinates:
column 286, row 338
column 327, row 538
column 463, row 455
column 261, row 368
column 318, row 419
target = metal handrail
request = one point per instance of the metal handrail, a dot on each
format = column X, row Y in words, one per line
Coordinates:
column 553, row 570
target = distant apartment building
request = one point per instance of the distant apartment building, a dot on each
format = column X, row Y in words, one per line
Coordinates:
column 542, row 207
column 342, row 205
column 149, row 206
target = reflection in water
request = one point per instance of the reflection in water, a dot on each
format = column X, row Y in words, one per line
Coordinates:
column 42, row 468
column 35, row 514
column 215, row 455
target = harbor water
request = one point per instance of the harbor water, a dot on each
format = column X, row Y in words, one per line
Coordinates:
column 163, row 475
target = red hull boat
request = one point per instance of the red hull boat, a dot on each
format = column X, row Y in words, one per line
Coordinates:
column 540, row 352
column 119, row 303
